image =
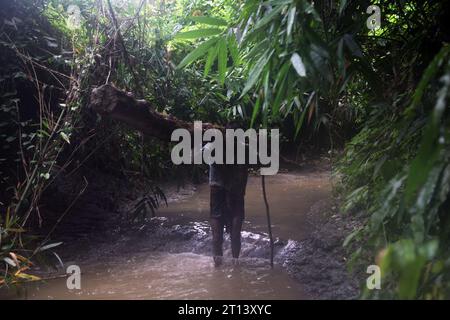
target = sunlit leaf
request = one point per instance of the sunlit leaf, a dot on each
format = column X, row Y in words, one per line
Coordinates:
column 255, row 112
column 222, row 59
column 65, row 137
column 297, row 62
column 233, row 48
column 268, row 17
column 342, row 6
column 49, row 246
column 199, row 33
column 256, row 71
column 209, row 20
column 10, row 261
column 291, row 19
column 212, row 53
column 197, row 53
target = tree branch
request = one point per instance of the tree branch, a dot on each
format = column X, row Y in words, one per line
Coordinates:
column 138, row 114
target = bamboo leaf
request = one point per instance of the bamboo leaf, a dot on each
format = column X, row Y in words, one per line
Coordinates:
column 255, row 112
column 209, row 20
column 256, row 71
column 268, row 17
column 233, row 48
column 10, row 261
column 65, row 137
column 302, row 117
column 429, row 73
column 48, row 246
column 430, row 147
column 298, row 65
column 222, row 57
column 279, row 97
column 300, row 122
column 342, row 5
column 199, row 33
column 352, row 45
column 291, row 19
column 197, row 53
column 209, row 60
column 282, row 73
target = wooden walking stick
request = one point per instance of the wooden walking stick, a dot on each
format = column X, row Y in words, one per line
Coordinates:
column 269, row 225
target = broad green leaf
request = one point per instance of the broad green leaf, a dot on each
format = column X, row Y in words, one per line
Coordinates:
column 429, row 73
column 429, row 148
column 233, row 48
column 209, row 20
column 49, row 246
column 300, row 122
column 255, row 112
column 10, row 261
column 268, row 17
column 302, row 117
column 199, row 33
column 314, row 37
column 352, row 45
column 260, row 47
column 298, row 65
column 351, row 236
column 210, row 59
column 282, row 73
column 279, row 97
column 65, row 137
column 342, row 5
column 410, row 264
column 197, row 53
column 266, row 87
column 319, row 58
column 291, row 19
column 256, row 71
column 267, row 94
column 222, row 57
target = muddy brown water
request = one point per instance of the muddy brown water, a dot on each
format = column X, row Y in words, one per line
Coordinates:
column 138, row 265
column 291, row 197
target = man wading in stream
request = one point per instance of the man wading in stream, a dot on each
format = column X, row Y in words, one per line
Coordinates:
column 227, row 181
column 227, row 209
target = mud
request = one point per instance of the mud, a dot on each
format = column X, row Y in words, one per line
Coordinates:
column 168, row 257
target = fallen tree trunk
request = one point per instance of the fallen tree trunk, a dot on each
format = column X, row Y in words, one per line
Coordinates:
column 138, row 114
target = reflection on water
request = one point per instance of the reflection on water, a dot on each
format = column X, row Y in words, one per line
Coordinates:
column 290, row 196
column 134, row 270
column 176, row 276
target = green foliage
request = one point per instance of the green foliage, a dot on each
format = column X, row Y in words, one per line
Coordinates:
column 289, row 71
column 319, row 64
column 403, row 163
column 39, row 107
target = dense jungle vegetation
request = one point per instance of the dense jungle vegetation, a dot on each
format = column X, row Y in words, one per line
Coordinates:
column 376, row 98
